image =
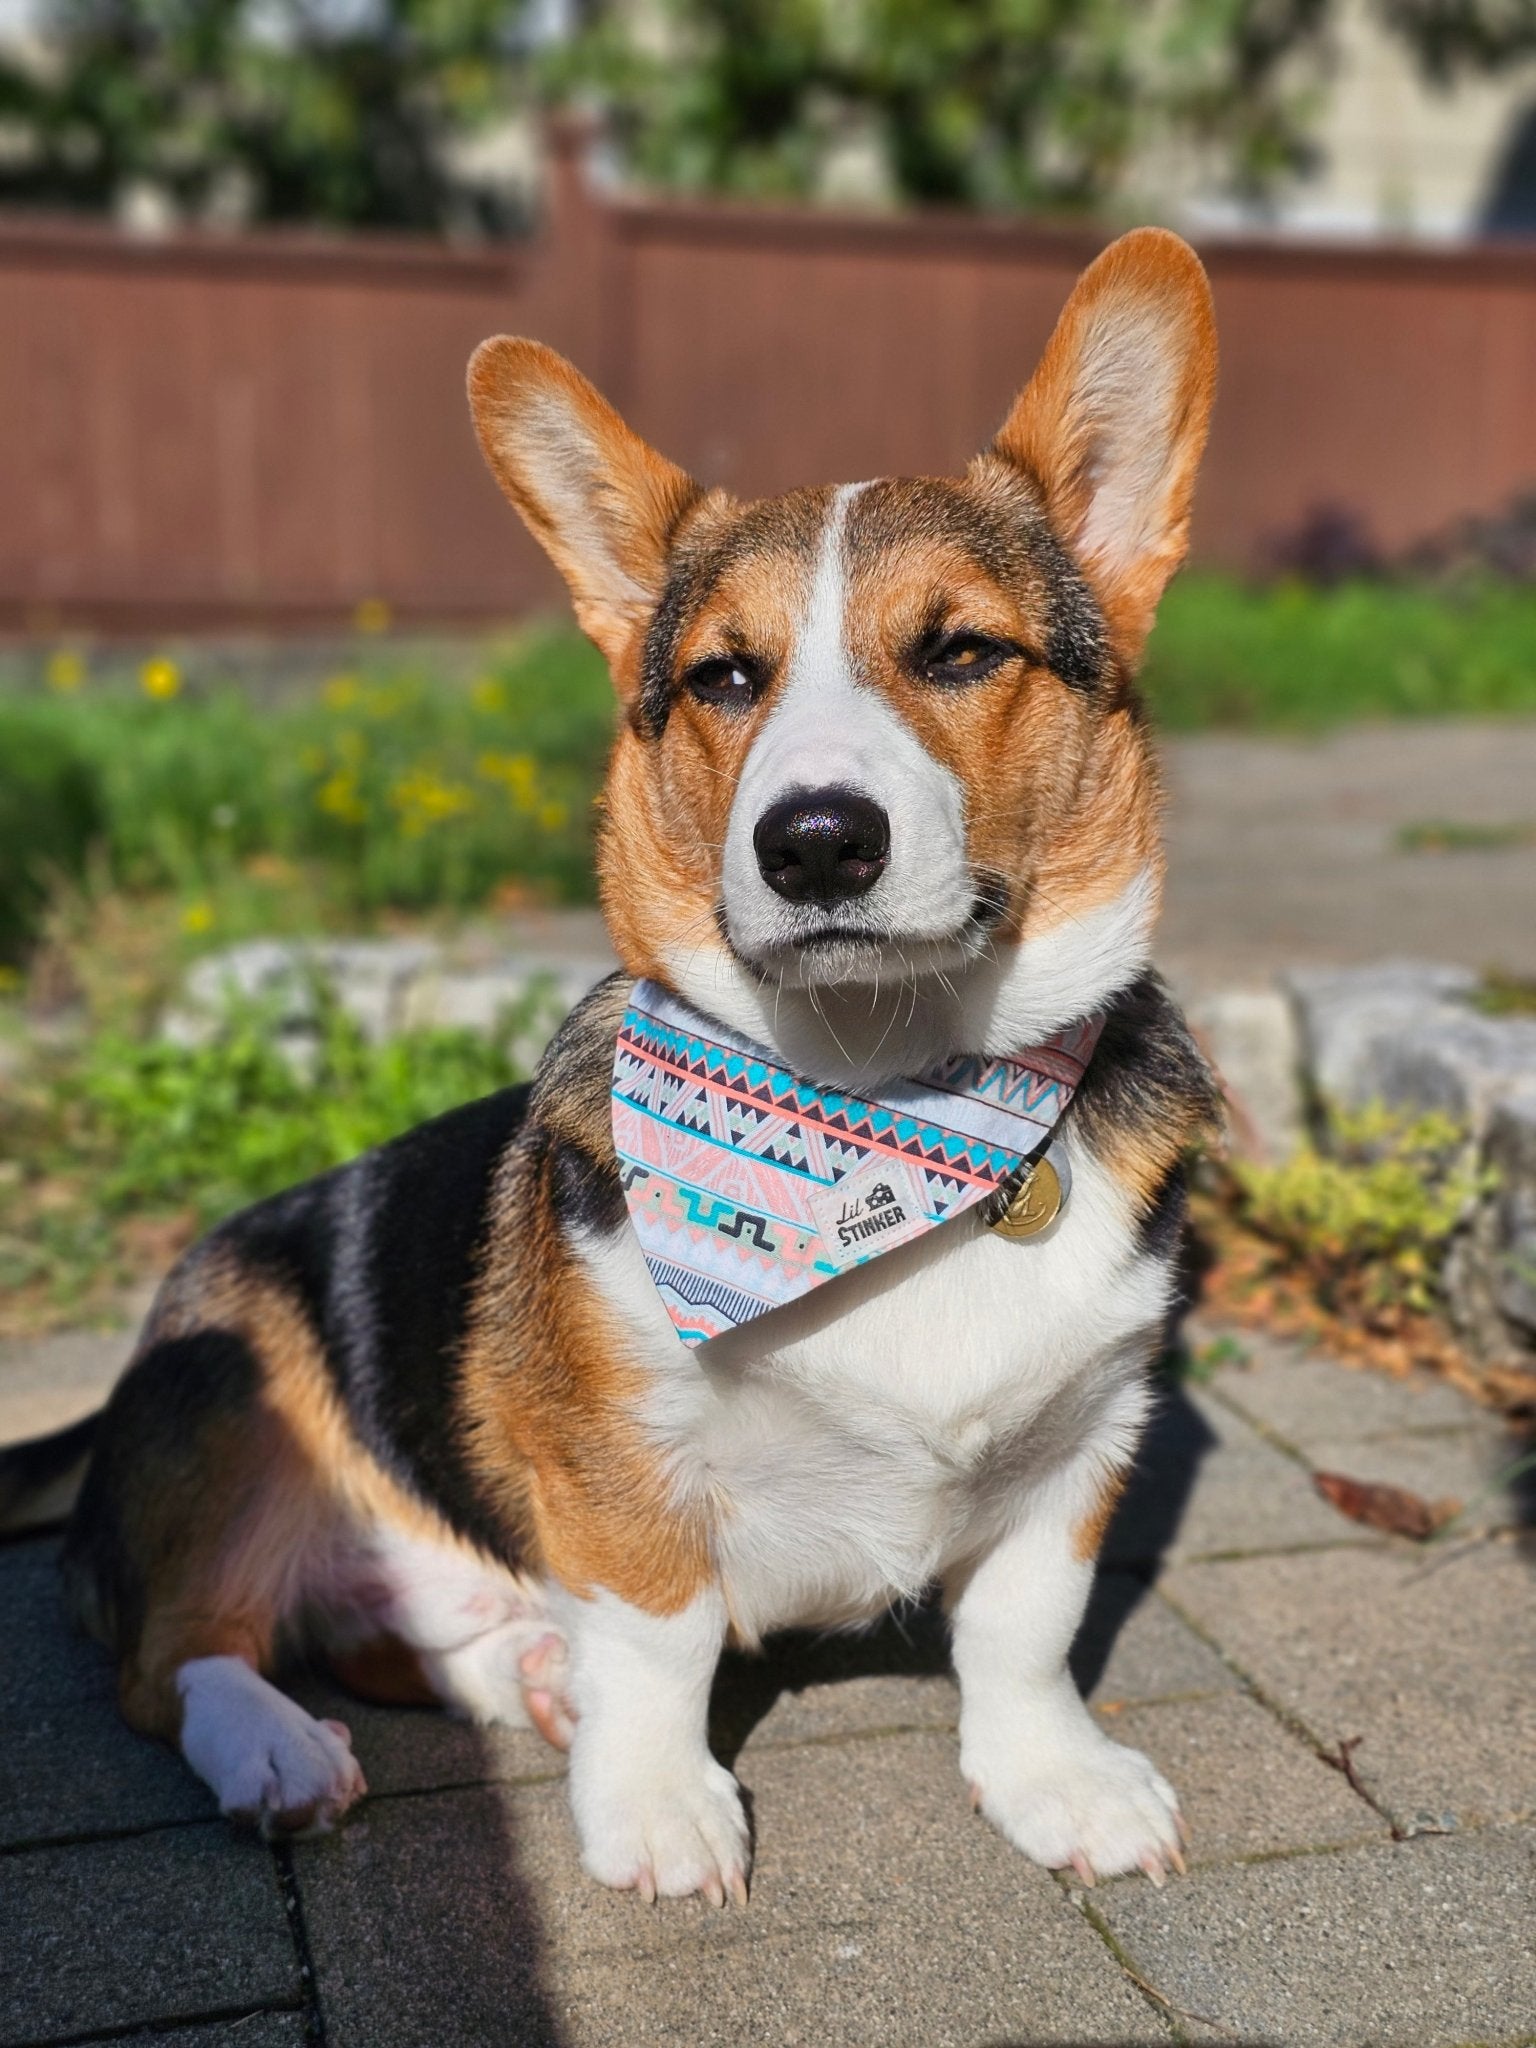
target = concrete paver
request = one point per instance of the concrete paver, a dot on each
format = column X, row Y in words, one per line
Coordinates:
column 69, row 1766
column 48, row 1382
column 1208, row 1483
column 1307, row 1397
column 1417, row 1942
column 451, row 1907
column 240, row 2030
column 882, row 1910
column 1284, row 852
column 1427, row 1657
column 174, row 1924
column 1245, row 1787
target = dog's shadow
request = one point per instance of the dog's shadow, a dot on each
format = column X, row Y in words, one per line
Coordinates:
column 913, row 1642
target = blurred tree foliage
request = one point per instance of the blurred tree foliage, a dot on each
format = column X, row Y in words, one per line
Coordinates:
column 992, row 103
column 334, row 110
column 352, row 111
column 986, row 103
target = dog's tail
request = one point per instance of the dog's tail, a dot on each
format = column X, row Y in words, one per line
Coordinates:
column 40, row 1479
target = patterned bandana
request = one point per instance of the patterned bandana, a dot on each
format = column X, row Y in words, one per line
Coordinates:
column 749, row 1185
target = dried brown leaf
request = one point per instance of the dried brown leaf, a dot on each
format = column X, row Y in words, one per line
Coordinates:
column 1390, row 1508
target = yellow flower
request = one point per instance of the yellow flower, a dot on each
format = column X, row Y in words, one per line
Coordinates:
column 338, row 797
column 372, row 615
column 65, row 671
column 488, row 693
column 423, row 798
column 10, row 979
column 552, row 816
column 341, row 692
column 160, row 678
column 197, row 917
column 518, row 772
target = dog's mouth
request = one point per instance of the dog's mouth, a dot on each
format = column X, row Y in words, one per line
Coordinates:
column 832, row 950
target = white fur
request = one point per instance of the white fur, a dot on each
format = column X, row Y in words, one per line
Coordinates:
column 946, row 1411
column 870, row 1435
column 264, row 1758
column 828, row 730
column 470, row 1621
column 654, row 1811
column 1039, row 1767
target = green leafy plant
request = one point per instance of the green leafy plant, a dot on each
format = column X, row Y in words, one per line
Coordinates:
column 1367, row 1220
column 125, row 1130
column 287, row 111
column 408, row 790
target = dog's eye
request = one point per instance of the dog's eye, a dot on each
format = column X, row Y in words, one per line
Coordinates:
column 960, row 658
column 723, row 680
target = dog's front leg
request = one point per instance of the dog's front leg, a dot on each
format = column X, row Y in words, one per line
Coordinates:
column 654, row 1810
column 1039, row 1766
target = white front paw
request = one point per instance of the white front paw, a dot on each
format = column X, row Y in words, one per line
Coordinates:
column 666, row 1833
column 1083, row 1803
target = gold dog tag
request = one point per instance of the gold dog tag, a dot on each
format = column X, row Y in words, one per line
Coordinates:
column 1035, row 1203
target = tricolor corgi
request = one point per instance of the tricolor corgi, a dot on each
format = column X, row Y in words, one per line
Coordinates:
column 742, row 1315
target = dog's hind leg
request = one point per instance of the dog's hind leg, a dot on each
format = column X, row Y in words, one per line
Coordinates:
column 201, row 1523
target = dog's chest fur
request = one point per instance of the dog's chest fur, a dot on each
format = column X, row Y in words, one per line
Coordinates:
column 867, row 1437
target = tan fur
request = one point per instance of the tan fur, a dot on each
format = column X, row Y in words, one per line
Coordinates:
column 547, row 435
column 242, row 1536
column 1133, row 355
column 553, row 1406
column 1088, row 1536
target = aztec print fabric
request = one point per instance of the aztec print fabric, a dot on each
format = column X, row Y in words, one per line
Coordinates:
column 748, row 1185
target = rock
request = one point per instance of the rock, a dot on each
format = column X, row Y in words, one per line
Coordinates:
column 1343, row 1014
column 1252, row 1040
column 387, row 986
column 1405, row 1034
column 368, row 977
column 1510, row 1151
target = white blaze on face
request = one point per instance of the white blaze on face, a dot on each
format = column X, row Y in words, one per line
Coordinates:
column 828, row 730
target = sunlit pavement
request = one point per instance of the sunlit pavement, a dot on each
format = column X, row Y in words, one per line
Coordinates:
column 1242, row 1629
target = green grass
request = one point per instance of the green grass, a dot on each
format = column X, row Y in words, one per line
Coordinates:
column 1287, row 656
column 396, row 785
column 118, row 1151
column 391, row 787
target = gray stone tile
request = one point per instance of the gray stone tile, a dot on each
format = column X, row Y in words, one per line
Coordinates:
column 1207, row 1483
column 48, row 1382
column 1428, row 1658
column 1463, row 1465
column 804, row 1687
column 882, row 1910
column 423, row 1749
column 69, row 1765
column 1133, row 1647
column 1413, row 1945
column 60, row 1666
column 1309, row 1398
column 240, row 2030
column 163, row 1926
column 82, row 1771
column 1247, row 1786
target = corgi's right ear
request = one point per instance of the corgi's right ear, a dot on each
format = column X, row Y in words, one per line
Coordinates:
column 601, row 503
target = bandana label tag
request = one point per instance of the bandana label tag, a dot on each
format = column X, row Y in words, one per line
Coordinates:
column 871, row 1210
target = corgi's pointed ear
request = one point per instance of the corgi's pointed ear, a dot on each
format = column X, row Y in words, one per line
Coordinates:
column 1113, row 422
column 601, row 503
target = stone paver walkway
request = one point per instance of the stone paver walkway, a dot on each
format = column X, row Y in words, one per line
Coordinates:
column 1241, row 1630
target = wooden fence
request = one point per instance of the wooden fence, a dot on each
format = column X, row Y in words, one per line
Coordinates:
column 209, row 434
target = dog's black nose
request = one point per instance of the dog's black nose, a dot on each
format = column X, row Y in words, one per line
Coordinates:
column 820, row 845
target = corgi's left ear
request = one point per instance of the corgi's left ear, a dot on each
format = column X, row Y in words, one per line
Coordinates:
column 1113, row 422
column 601, row 503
